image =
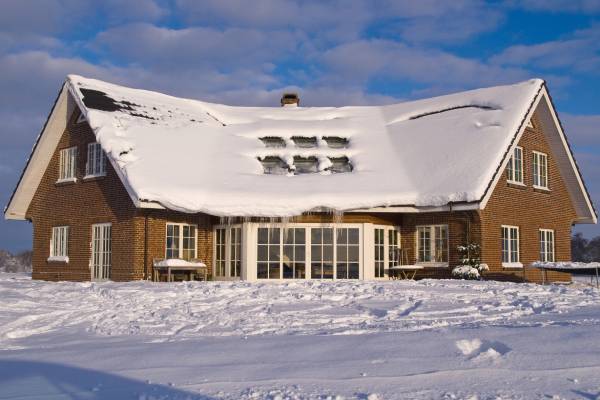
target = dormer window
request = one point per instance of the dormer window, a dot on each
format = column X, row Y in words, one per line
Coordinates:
column 273, row 165
column 273, row 141
column 336, row 142
column 306, row 165
column 67, row 165
column 305, row 141
column 340, row 164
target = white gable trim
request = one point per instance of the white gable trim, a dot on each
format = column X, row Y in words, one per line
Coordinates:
column 563, row 154
column 42, row 153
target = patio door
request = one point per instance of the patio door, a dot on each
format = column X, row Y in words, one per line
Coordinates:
column 101, row 251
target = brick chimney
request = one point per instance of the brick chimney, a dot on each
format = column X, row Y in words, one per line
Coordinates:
column 290, row 100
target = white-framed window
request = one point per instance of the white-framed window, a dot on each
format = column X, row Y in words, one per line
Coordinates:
column 514, row 170
column 347, row 253
column 432, row 244
column 67, row 166
column 96, row 161
column 540, row 170
column 235, row 252
column 510, row 246
column 294, row 253
column 59, row 244
column 268, row 265
column 530, row 123
column 180, row 241
column 308, row 250
column 220, row 251
column 547, row 245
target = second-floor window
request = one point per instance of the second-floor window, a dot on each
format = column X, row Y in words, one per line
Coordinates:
column 514, row 170
column 432, row 243
column 540, row 170
column 96, row 162
column 67, row 164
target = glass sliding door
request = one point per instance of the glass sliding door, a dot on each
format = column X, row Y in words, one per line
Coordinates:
column 321, row 253
column 235, row 252
column 347, row 253
column 220, row 247
column 379, row 234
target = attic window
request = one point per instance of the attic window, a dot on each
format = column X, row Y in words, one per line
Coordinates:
column 305, row 141
column 336, row 142
column 80, row 118
column 340, row 165
column 273, row 165
column 273, row 141
column 306, row 165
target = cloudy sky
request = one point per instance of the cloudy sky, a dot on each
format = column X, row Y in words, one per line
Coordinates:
column 333, row 53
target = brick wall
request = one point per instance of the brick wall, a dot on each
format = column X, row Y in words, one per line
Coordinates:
column 530, row 210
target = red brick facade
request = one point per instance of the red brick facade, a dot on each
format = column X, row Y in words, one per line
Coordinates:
column 138, row 235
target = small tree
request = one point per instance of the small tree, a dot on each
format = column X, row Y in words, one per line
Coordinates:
column 470, row 262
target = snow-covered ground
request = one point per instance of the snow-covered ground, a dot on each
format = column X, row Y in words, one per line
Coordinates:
column 366, row 340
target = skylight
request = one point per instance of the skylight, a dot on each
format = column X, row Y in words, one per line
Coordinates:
column 340, row 164
column 305, row 141
column 273, row 141
column 273, row 165
column 306, row 165
column 336, row 142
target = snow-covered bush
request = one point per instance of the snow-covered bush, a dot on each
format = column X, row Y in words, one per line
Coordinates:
column 470, row 262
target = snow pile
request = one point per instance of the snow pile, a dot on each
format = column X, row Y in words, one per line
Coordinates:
column 298, row 340
column 190, row 309
column 425, row 153
column 177, row 262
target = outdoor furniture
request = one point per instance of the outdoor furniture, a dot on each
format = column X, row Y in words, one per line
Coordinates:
column 192, row 269
column 404, row 271
column 573, row 267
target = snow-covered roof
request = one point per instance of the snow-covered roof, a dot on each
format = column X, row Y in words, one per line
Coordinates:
column 194, row 156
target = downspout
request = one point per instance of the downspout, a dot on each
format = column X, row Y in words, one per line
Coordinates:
column 146, row 272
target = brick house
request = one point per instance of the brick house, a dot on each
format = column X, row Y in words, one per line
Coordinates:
column 120, row 177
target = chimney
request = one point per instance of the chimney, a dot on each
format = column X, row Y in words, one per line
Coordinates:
column 290, row 100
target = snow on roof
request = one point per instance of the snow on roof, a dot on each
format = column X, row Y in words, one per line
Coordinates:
column 195, row 156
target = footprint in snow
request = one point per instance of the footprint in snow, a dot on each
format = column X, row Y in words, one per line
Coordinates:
column 482, row 350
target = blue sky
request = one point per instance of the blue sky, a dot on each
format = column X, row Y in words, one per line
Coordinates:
column 333, row 53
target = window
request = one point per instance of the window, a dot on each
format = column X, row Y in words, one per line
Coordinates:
column 294, row 253
column 181, row 241
column 540, row 170
column 59, row 244
column 530, row 123
column 347, row 253
column 514, row 170
column 379, row 252
column 101, row 259
column 273, row 165
column 546, row 245
column 273, row 141
column 321, row 253
column 305, row 165
column 510, row 246
column 80, row 118
column 304, row 141
column 268, row 253
column 96, row 162
column 220, row 257
column 393, row 248
column 340, row 164
column 336, row 142
column 67, row 164
column 235, row 252
column 432, row 244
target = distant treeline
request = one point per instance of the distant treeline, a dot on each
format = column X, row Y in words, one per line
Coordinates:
column 20, row 262
column 585, row 250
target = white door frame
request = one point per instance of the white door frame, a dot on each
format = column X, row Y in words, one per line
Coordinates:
column 102, row 248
